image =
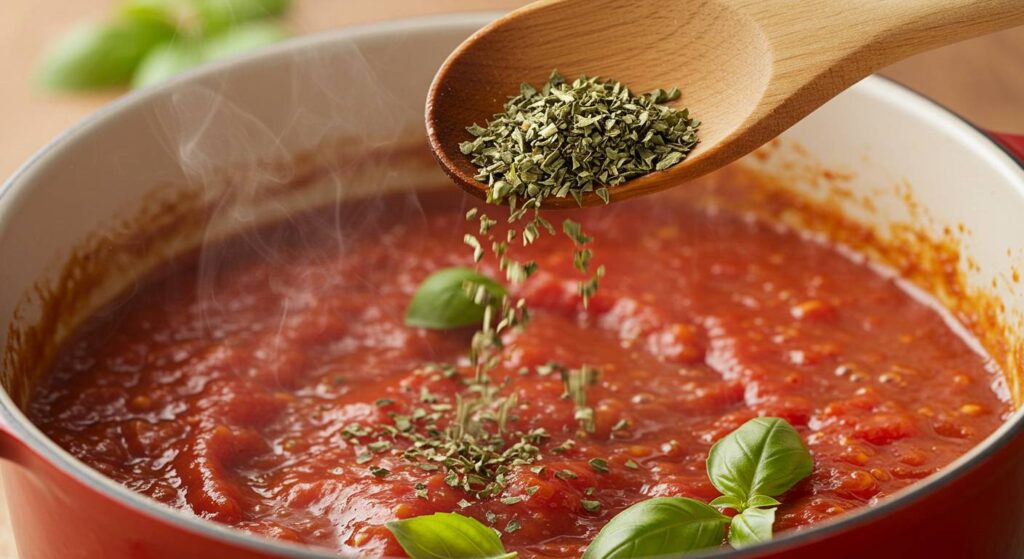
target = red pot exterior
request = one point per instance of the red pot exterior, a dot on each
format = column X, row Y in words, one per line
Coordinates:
column 1014, row 143
column 976, row 514
column 56, row 516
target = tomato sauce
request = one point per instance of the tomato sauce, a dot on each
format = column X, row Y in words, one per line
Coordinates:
column 227, row 384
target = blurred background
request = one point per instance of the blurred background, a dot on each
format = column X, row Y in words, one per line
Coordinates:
column 982, row 79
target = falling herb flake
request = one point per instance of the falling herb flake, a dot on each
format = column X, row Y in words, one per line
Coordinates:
column 402, row 423
column 524, row 161
column 377, row 471
column 590, row 506
column 355, row 430
column 564, row 447
column 599, row 465
column 548, row 368
column 565, row 475
column 512, row 500
column 631, row 464
column 588, row 288
column 575, row 232
column 512, row 526
column 576, row 383
column 426, row 397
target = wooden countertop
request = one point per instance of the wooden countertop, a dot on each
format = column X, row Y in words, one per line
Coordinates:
column 982, row 79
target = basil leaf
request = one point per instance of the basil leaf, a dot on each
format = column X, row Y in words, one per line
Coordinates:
column 750, row 527
column 659, row 526
column 727, row 502
column 447, row 535
column 218, row 15
column 243, row 38
column 765, row 456
column 167, row 61
column 762, row 501
column 166, row 11
column 101, row 55
column 441, row 302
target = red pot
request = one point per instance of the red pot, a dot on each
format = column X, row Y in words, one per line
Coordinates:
column 61, row 509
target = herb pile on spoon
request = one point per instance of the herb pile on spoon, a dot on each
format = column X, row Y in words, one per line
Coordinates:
column 568, row 139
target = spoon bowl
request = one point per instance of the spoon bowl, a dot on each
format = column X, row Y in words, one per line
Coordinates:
column 747, row 69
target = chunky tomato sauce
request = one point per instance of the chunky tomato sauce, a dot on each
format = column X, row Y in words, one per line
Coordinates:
column 228, row 385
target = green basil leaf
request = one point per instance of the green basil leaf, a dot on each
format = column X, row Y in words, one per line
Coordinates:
column 447, row 535
column 750, row 527
column 441, row 302
column 217, row 15
column 101, row 55
column 762, row 501
column 166, row 61
column 243, row 38
column 727, row 502
column 659, row 526
column 765, row 456
column 166, row 11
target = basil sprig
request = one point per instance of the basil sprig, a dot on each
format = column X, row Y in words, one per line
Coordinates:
column 763, row 458
column 659, row 526
column 452, row 298
column 447, row 535
column 751, row 466
column 753, row 525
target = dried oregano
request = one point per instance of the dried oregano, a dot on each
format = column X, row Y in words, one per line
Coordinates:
column 572, row 138
column 564, row 140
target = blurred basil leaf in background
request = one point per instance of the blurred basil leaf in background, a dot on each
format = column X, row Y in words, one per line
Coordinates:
column 150, row 41
column 166, row 61
column 243, row 38
column 169, row 11
column 101, row 55
column 218, row 15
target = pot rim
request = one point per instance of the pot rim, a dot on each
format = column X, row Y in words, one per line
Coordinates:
column 29, row 435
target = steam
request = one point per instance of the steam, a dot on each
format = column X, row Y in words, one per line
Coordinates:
column 235, row 135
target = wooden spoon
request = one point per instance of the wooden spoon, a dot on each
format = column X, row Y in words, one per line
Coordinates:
column 748, row 69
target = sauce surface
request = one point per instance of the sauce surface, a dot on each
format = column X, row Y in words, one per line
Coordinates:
column 229, row 384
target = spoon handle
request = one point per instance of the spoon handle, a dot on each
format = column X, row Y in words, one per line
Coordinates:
column 810, row 64
column 866, row 35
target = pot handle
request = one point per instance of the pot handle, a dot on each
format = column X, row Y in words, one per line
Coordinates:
column 1014, row 143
